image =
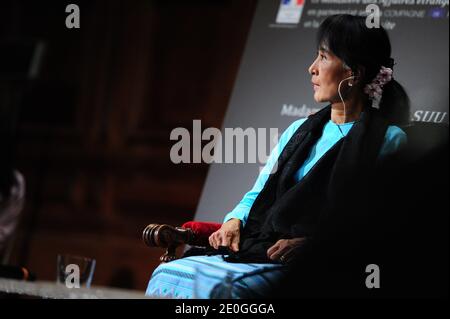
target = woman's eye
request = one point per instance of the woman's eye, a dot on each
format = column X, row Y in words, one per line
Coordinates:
column 322, row 57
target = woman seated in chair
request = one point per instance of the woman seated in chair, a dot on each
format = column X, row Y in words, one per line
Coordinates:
column 316, row 183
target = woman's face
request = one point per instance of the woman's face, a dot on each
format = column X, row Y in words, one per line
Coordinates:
column 327, row 71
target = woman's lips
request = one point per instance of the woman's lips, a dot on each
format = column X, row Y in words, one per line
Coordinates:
column 315, row 87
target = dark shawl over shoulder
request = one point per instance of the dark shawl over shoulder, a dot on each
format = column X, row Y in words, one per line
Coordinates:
column 319, row 203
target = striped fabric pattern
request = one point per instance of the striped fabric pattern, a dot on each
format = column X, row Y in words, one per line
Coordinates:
column 204, row 277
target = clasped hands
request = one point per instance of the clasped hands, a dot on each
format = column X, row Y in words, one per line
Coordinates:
column 229, row 235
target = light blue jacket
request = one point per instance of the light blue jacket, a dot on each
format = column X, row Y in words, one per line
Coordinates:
column 332, row 132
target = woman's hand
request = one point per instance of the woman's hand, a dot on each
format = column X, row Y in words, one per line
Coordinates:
column 284, row 248
column 228, row 235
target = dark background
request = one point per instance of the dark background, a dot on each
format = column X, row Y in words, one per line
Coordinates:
column 92, row 130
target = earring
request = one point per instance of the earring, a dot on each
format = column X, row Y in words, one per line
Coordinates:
column 350, row 84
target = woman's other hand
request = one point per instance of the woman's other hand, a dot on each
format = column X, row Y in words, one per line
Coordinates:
column 228, row 235
column 284, row 249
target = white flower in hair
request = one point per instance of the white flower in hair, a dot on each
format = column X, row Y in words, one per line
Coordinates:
column 375, row 88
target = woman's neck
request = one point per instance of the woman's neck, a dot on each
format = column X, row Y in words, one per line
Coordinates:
column 353, row 109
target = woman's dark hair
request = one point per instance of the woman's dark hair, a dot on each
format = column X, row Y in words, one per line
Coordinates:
column 365, row 50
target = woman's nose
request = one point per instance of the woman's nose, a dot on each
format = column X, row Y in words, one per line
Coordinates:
column 312, row 69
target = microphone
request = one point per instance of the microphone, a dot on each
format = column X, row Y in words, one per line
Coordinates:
column 339, row 92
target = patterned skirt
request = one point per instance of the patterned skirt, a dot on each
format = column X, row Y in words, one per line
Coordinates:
column 204, row 277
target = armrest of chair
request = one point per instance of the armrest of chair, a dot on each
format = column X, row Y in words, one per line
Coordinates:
column 166, row 236
column 201, row 232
